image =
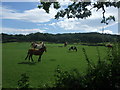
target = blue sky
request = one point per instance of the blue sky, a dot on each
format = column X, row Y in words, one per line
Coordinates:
column 25, row 18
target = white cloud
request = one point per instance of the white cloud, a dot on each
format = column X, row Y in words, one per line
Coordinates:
column 83, row 25
column 68, row 24
column 65, row 2
column 75, row 24
column 106, row 31
column 54, row 0
column 21, row 31
column 91, row 24
column 20, row 0
column 109, row 11
column 119, row 15
column 34, row 15
column 39, row 15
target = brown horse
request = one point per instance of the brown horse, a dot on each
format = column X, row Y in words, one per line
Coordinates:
column 109, row 45
column 65, row 44
column 38, row 52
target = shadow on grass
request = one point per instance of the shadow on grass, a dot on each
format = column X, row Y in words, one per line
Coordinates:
column 71, row 51
column 52, row 59
column 29, row 63
column 60, row 46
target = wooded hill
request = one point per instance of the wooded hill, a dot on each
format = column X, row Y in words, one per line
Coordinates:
column 60, row 38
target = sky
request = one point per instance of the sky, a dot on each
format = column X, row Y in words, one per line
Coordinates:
column 25, row 18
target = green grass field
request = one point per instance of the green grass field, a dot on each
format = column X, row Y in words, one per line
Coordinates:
column 14, row 65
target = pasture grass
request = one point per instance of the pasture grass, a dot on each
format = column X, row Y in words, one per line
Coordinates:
column 40, row 73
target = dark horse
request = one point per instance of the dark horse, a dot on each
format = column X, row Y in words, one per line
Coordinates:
column 109, row 45
column 73, row 48
column 65, row 44
column 38, row 52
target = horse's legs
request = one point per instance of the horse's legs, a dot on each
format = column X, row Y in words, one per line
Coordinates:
column 27, row 56
column 39, row 59
column 69, row 49
column 76, row 49
column 31, row 58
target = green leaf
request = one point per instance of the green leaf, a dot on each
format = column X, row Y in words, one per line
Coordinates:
column 56, row 5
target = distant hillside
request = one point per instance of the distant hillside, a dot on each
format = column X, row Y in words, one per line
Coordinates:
column 60, row 38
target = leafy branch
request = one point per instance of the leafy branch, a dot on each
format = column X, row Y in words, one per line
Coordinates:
column 80, row 9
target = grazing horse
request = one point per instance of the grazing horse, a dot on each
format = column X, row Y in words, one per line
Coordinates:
column 73, row 48
column 109, row 45
column 38, row 52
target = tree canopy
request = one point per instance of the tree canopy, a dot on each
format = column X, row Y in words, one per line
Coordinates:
column 81, row 9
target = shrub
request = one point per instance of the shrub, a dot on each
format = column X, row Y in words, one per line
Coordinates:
column 23, row 82
column 104, row 74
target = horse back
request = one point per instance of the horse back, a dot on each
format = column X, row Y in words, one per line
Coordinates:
column 35, row 52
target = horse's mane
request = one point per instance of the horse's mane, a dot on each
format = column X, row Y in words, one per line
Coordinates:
column 43, row 48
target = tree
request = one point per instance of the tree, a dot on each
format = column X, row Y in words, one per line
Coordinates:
column 81, row 10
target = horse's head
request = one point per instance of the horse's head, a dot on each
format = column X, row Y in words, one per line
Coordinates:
column 33, row 44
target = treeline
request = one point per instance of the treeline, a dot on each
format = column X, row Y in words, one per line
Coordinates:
column 60, row 38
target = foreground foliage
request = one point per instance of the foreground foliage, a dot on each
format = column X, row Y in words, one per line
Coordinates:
column 23, row 82
column 104, row 74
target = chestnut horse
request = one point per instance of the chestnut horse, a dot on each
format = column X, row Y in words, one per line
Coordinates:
column 38, row 52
